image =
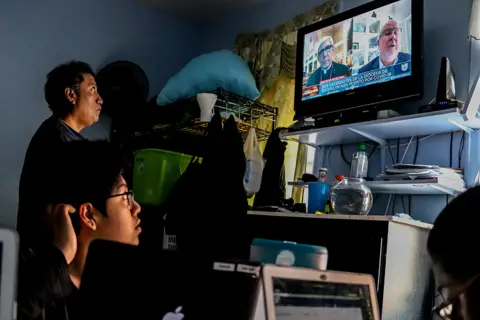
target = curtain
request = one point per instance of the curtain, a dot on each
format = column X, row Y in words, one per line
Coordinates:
column 271, row 57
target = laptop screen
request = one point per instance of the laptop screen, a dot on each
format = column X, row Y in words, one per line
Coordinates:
column 307, row 300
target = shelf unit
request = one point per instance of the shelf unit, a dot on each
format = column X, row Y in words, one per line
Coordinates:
column 405, row 187
column 379, row 131
column 183, row 116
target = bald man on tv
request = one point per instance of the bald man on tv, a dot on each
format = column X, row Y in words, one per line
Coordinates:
column 328, row 68
column 388, row 43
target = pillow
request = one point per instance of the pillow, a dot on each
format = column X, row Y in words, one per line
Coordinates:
column 205, row 73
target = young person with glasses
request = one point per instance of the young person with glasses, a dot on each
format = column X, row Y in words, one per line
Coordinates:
column 86, row 198
column 453, row 246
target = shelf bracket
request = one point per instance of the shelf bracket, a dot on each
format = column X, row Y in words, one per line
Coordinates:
column 381, row 142
column 369, row 136
column 444, row 189
column 461, row 126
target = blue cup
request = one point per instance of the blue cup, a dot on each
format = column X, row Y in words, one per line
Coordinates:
column 317, row 196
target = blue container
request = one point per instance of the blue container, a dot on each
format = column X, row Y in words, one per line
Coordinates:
column 317, row 196
column 287, row 253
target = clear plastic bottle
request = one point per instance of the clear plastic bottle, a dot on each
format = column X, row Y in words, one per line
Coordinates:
column 359, row 167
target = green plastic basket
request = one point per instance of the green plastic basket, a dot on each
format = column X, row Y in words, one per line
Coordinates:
column 155, row 174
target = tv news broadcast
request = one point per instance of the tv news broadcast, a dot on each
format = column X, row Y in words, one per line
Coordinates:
column 371, row 48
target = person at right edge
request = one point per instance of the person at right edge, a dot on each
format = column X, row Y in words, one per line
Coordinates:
column 88, row 200
column 72, row 96
column 453, row 246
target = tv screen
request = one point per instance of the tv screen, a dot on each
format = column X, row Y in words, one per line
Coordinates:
column 368, row 47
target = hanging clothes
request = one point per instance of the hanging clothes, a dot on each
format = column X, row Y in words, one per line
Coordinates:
column 272, row 191
column 207, row 208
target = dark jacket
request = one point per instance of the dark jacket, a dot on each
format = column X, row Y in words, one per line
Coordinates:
column 44, row 282
column 336, row 70
column 401, row 58
column 45, row 291
column 31, row 195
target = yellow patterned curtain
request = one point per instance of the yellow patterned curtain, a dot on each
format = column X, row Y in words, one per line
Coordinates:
column 272, row 56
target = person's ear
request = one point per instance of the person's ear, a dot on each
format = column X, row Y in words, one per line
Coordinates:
column 87, row 216
column 71, row 95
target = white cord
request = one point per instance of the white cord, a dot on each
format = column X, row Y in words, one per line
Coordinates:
column 406, row 150
column 327, row 157
column 406, row 144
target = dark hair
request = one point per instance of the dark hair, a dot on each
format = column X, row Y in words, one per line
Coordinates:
column 454, row 240
column 68, row 75
column 83, row 172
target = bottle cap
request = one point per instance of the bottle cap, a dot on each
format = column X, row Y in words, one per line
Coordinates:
column 362, row 147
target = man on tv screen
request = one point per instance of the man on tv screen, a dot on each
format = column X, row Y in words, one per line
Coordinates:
column 328, row 68
column 388, row 43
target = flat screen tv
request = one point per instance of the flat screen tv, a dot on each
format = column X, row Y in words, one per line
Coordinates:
column 363, row 57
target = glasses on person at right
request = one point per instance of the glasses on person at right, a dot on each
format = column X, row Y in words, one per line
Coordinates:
column 450, row 306
column 391, row 31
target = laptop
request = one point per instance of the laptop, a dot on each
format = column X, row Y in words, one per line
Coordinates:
column 9, row 246
column 125, row 282
column 301, row 294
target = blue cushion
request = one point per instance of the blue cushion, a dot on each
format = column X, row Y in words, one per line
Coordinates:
column 219, row 69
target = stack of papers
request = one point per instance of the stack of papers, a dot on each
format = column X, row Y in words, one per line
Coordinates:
column 448, row 176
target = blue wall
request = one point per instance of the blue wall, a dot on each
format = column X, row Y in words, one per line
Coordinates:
column 446, row 30
column 38, row 35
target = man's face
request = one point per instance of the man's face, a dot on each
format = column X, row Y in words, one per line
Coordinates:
column 121, row 223
column 88, row 102
column 388, row 41
column 325, row 53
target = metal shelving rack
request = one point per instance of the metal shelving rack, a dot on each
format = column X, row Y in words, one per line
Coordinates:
column 379, row 131
column 248, row 113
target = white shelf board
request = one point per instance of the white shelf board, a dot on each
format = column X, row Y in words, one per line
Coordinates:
column 392, row 128
column 414, row 187
column 412, row 223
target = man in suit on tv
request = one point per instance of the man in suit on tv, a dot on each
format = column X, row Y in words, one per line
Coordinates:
column 328, row 68
column 388, row 46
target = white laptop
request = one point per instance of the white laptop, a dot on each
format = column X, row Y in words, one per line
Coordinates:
column 301, row 294
column 8, row 273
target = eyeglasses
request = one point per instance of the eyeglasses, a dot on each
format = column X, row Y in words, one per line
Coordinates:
column 445, row 309
column 327, row 49
column 389, row 31
column 128, row 195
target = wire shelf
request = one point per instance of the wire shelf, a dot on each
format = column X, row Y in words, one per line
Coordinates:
column 247, row 113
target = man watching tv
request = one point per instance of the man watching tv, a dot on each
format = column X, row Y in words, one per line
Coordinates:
column 87, row 199
column 72, row 96
column 388, row 43
column 329, row 69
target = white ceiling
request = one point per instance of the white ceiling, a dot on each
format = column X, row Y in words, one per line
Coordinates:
column 200, row 11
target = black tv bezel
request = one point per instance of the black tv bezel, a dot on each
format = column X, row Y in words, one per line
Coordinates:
column 372, row 95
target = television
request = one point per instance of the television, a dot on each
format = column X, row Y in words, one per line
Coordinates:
column 360, row 59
